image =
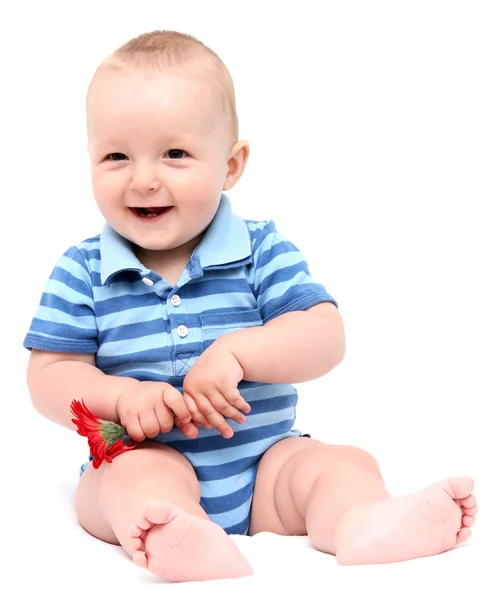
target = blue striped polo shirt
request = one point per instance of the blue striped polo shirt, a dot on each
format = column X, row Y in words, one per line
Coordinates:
column 101, row 299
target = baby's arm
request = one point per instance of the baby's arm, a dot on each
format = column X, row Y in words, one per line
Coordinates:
column 294, row 347
column 55, row 379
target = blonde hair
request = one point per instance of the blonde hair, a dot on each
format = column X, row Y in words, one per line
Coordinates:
column 161, row 49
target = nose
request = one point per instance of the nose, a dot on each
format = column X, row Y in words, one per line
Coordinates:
column 144, row 179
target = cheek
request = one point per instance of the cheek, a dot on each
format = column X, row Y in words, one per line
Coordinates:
column 105, row 187
column 201, row 184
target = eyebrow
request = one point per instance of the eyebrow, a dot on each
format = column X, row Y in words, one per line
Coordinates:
column 165, row 139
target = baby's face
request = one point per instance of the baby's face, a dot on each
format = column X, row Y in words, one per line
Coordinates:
column 159, row 147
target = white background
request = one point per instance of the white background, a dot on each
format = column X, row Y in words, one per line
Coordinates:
column 376, row 146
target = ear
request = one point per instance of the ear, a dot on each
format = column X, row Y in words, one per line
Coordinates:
column 236, row 163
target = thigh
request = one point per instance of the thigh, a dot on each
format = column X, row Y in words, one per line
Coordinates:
column 87, row 498
column 272, row 510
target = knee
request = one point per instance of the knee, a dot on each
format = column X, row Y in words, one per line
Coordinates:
column 151, row 460
column 87, row 506
column 351, row 455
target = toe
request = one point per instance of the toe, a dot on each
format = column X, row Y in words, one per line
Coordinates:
column 136, row 543
column 137, row 530
column 468, row 521
column 154, row 513
column 157, row 513
column 468, row 502
column 471, row 512
column 140, row 559
column 136, row 539
column 142, row 525
column 461, row 487
column 463, row 535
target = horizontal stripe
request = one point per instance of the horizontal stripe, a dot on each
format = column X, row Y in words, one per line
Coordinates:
column 70, row 281
column 207, row 440
column 55, row 344
column 298, row 303
column 232, row 517
column 228, row 502
column 266, row 412
column 280, row 255
column 226, row 470
column 207, row 450
column 224, row 486
column 152, row 355
column 148, row 373
column 63, row 331
column 217, row 284
column 60, row 290
column 240, row 528
column 135, row 347
column 132, row 330
column 65, row 313
column 277, row 404
column 278, row 283
column 121, row 303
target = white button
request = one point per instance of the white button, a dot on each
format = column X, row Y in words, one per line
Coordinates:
column 182, row 331
column 175, row 300
column 147, row 281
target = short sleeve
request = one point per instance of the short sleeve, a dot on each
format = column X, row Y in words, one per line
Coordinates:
column 282, row 281
column 65, row 319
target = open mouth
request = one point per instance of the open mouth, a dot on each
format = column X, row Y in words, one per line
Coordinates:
column 151, row 212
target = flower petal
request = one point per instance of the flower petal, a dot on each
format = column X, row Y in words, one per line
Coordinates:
column 118, row 448
column 104, row 437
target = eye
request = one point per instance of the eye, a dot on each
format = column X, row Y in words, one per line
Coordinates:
column 116, row 156
column 176, row 153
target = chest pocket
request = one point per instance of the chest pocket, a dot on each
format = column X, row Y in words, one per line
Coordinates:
column 217, row 324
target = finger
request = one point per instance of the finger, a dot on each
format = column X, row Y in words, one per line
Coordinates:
column 196, row 414
column 149, row 423
column 174, row 400
column 224, row 408
column 164, row 417
column 189, row 430
column 214, row 417
column 235, row 399
column 134, row 429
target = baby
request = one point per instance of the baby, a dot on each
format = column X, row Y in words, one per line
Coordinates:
column 189, row 325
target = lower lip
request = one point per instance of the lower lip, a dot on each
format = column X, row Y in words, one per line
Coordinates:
column 146, row 219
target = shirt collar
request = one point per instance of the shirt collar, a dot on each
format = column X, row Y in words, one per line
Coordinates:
column 226, row 241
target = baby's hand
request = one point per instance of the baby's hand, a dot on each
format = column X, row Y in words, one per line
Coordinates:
column 148, row 408
column 210, row 389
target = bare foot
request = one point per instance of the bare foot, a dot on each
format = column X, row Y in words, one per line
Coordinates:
column 181, row 547
column 406, row 527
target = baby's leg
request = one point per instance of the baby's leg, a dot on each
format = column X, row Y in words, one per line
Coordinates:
column 336, row 494
column 147, row 500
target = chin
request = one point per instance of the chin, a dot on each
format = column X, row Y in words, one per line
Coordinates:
column 152, row 247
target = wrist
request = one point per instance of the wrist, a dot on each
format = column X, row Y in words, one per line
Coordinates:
column 126, row 384
column 243, row 345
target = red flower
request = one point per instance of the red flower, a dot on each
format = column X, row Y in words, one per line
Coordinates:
column 104, row 437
